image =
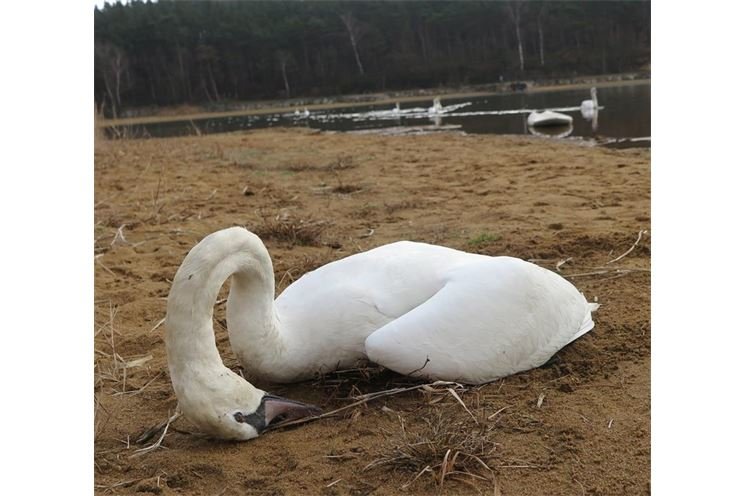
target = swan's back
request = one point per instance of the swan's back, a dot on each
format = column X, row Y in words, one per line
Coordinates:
column 395, row 278
column 328, row 313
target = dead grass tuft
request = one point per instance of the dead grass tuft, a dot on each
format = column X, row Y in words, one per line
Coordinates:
column 343, row 162
column 403, row 205
column 446, row 443
column 291, row 232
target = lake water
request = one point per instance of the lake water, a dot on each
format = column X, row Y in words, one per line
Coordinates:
column 624, row 114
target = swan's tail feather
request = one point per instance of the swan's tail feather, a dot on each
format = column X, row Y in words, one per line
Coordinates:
column 588, row 323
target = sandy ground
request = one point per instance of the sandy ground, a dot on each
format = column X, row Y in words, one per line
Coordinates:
column 578, row 425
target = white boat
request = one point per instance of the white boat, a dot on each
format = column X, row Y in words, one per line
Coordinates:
column 548, row 118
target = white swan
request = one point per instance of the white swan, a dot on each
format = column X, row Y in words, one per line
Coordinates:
column 436, row 107
column 589, row 108
column 418, row 309
column 539, row 118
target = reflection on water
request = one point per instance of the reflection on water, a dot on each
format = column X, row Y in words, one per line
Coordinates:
column 623, row 112
column 552, row 131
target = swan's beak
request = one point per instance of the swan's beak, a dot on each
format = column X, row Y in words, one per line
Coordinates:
column 277, row 409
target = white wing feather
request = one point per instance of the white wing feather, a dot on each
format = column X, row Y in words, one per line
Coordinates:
column 493, row 318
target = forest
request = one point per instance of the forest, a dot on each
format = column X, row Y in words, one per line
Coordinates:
column 209, row 53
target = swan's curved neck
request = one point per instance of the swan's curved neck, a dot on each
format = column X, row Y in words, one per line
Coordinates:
column 190, row 339
column 253, row 322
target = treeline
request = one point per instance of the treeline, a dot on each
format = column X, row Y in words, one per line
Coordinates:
column 172, row 52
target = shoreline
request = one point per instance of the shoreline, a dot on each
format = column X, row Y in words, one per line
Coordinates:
column 284, row 106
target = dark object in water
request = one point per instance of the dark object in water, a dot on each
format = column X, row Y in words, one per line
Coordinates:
column 518, row 86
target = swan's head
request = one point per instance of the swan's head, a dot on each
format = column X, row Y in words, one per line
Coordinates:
column 231, row 408
column 593, row 92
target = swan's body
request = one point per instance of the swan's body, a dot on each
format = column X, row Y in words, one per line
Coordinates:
column 540, row 118
column 415, row 308
column 476, row 318
column 436, row 107
column 589, row 108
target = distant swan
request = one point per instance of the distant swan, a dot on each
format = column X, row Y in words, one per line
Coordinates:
column 590, row 107
column 436, row 107
column 540, row 118
column 418, row 309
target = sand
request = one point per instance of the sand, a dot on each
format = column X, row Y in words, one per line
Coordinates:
column 544, row 200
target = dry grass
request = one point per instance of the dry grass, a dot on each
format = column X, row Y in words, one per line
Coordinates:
column 291, row 232
column 108, row 365
column 342, row 162
column 446, row 444
column 404, row 205
column 126, row 132
column 483, row 239
column 249, row 159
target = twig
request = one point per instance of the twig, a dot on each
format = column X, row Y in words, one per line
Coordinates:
column 96, row 258
column 620, row 274
column 425, row 469
column 119, row 484
column 148, row 434
column 562, row 262
column 452, row 391
column 194, row 126
column 498, row 412
column 119, row 238
column 638, row 238
column 585, row 274
column 138, row 391
column 520, row 466
column 160, row 323
column 363, row 399
column 420, row 368
column 157, row 195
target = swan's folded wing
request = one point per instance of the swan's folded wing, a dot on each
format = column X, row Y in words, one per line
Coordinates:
column 492, row 318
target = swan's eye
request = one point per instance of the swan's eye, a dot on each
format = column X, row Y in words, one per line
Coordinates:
column 239, row 417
